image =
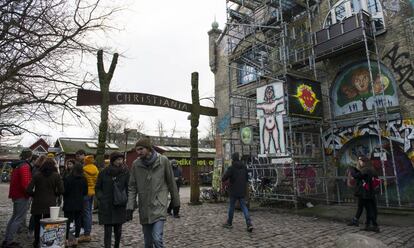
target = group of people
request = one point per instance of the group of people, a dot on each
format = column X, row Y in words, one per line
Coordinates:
column 115, row 188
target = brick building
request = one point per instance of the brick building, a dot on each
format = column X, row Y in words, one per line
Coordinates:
column 305, row 87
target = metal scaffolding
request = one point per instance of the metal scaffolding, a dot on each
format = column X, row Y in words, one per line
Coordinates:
column 267, row 40
column 263, row 47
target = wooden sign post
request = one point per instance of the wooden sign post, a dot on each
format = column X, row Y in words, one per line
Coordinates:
column 106, row 98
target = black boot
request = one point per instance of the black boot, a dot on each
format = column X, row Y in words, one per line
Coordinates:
column 354, row 222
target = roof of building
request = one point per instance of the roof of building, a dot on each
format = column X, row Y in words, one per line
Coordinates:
column 71, row 145
column 89, row 145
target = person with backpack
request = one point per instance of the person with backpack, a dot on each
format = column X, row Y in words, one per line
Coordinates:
column 112, row 210
column 368, row 190
column 76, row 188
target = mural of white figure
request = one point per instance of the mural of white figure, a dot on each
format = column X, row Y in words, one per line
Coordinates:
column 270, row 115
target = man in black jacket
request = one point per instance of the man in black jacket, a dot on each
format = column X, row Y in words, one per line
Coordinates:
column 238, row 177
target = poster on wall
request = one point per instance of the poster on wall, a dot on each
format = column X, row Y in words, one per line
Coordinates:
column 305, row 98
column 270, row 109
column 352, row 91
column 246, row 135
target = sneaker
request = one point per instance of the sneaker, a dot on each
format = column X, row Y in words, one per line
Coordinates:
column 84, row 239
column 354, row 222
column 176, row 216
column 227, row 225
column 250, row 228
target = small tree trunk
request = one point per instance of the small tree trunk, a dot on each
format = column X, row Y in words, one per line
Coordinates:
column 104, row 82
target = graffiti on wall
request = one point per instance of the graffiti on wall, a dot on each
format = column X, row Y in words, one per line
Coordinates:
column 400, row 131
column 392, row 6
column 270, row 108
column 362, row 139
column 352, row 91
column 401, row 66
column 223, row 123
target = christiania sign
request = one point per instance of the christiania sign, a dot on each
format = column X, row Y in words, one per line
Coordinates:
column 92, row 97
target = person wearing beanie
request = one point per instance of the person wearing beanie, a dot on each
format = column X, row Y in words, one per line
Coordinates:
column 238, row 177
column 80, row 156
column 90, row 171
column 20, row 179
column 111, row 214
column 152, row 176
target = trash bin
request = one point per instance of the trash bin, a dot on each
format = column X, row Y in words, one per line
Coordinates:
column 53, row 232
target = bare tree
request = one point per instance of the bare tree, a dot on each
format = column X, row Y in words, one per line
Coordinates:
column 140, row 126
column 209, row 139
column 41, row 42
column 174, row 129
column 161, row 129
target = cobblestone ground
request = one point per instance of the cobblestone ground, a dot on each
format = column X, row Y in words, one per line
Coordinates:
column 200, row 226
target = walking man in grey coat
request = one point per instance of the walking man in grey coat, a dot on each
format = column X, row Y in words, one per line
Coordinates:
column 151, row 179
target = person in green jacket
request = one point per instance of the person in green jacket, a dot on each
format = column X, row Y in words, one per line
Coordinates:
column 151, row 179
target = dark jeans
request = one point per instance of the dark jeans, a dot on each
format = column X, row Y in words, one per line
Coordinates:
column 108, row 235
column 37, row 218
column 243, row 208
column 153, row 234
column 360, row 209
column 370, row 206
column 87, row 214
column 73, row 216
column 20, row 207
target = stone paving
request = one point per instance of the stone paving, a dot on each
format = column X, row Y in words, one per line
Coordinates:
column 200, row 226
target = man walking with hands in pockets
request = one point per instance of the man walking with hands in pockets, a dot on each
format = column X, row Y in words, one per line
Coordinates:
column 151, row 179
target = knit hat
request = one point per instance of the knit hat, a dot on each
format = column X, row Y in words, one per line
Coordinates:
column 144, row 142
column 174, row 162
column 115, row 155
column 26, row 154
column 89, row 159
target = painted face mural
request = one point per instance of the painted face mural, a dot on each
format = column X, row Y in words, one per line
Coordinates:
column 352, row 91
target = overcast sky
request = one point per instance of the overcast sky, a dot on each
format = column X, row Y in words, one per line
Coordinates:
column 162, row 42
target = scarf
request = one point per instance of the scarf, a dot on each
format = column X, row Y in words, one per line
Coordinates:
column 150, row 161
column 114, row 170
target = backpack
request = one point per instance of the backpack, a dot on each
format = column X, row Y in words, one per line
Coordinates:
column 375, row 184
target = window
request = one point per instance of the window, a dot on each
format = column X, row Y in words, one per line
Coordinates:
column 248, row 74
column 251, row 69
column 346, row 8
column 355, row 6
column 340, row 12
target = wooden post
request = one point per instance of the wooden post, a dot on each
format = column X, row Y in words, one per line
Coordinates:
column 104, row 81
column 195, row 116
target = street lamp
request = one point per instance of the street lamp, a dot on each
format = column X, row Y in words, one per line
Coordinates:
column 127, row 131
